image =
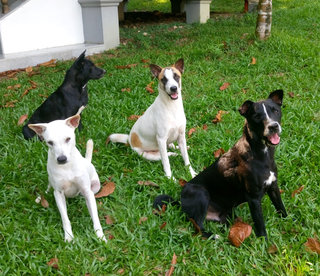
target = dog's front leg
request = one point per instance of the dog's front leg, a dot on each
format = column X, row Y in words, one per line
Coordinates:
column 184, row 152
column 62, row 206
column 257, row 216
column 162, row 144
column 275, row 197
column 93, row 211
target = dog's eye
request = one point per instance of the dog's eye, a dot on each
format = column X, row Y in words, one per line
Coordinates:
column 50, row 143
column 68, row 139
column 164, row 80
column 176, row 77
column 275, row 110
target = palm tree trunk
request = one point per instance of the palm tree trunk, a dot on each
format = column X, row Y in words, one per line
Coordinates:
column 263, row 28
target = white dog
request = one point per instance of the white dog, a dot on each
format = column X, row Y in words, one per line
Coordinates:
column 163, row 123
column 70, row 173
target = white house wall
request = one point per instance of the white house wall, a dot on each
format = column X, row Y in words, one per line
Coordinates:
column 40, row 24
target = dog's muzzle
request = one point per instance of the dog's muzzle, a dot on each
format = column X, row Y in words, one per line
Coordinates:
column 274, row 130
column 173, row 93
column 62, row 159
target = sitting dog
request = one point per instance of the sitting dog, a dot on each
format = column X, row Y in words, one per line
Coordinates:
column 163, row 123
column 70, row 173
column 243, row 174
column 69, row 97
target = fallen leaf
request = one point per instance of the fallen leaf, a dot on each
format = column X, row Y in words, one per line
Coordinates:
column 297, row 191
column 160, row 212
column 25, row 92
column 163, row 225
column 125, row 90
column 313, row 245
column 147, row 183
column 29, row 69
column 196, row 226
column 50, row 63
column 128, row 66
column 239, row 232
column 14, row 87
column 272, row 249
column 218, row 117
column 109, row 220
column 173, row 263
column 205, row 127
column 121, row 271
column 145, row 60
column 218, row 153
column 191, row 131
column 142, row 219
column 291, row 94
column 244, row 91
column 53, row 263
column 22, row 119
column 44, row 202
column 281, row 191
column 224, row 86
column 182, row 182
column 253, row 61
column 150, row 90
column 133, row 117
column 110, row 237
column 33, row 84
column 108, row 188
column 10, row 103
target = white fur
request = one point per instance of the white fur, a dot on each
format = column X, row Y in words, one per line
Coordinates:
column 163, row 123
column 76, row 176
column 271, row 179
column 269, row 121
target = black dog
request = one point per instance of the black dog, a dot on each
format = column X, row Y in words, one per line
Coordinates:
column 243, row 174
column 69, row 97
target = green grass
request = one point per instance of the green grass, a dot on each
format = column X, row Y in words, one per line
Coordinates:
column 214, row 53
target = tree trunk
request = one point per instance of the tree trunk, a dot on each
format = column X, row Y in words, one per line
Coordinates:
column 263, row 28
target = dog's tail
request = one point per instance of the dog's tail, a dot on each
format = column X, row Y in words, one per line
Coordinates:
column 89, row 150
column 161, row 200
column 118, row 138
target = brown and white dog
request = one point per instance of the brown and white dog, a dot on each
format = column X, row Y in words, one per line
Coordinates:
column 163, row 123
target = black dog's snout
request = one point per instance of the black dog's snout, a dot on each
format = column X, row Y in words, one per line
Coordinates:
column 173, row 89
column 62, row 159
column 274, row 127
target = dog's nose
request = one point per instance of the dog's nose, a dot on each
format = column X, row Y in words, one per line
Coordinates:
column 274, row 127
column 173, row 89
column 62, row 159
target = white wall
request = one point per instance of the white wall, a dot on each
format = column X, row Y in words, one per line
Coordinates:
column 39, row 24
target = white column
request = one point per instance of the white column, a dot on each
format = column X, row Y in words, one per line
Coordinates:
column 197, row 11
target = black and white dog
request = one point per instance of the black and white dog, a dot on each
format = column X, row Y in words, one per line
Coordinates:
column 69, row 97
column 243, row 174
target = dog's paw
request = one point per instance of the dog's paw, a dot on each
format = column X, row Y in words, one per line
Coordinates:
column 68, row 237
column 192, row 172
column 170, row 153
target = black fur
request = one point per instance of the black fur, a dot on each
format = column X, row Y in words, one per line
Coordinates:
column 240, row 174
column 69, row 97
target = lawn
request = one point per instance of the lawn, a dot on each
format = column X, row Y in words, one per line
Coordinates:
column 221, row 51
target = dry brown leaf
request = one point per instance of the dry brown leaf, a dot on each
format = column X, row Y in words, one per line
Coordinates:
column 205, row 127
column 150, row 90
column 253, row 61
column 196, row 226
column 133, row 117
column 291, row 94
column 128, row 66
column 110, row 237
column 297, row 191
column 313, row 245
column 173, row 263
column 281, row 191
column 29, row 69
column 109, row 220
column 182, row 182
column 121, row 271
column 125, row 90
column 272, row 249
column 50, row 63
column 191, row 131
column 44, row 202
column 218, row 153
column 224, row 86
column 53, row 263
column 13, row 87
column 239, row 232
column 163, row 225
column 33, row 84
column 147, row 183
column 107, row 189
column 218, row 117
column 22, row 119
column 142, row 219
column 145, row 60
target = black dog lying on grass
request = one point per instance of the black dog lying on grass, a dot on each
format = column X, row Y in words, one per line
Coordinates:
column 243, row 174
column 69, row 97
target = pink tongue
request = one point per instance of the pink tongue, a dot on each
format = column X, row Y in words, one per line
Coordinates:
column 174, row 95
column 274, row 139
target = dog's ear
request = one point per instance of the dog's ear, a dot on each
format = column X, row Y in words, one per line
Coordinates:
column 155, row 70
column 243, row 110
column 179, row 65
column 38, row 128
column 277, row 96
column 73, row 121
column 80, row 58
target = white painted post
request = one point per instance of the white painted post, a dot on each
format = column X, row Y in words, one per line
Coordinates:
column 197, row 11
column 101, row 22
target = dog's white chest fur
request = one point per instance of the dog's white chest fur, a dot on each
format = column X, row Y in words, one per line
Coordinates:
column 270, row 179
